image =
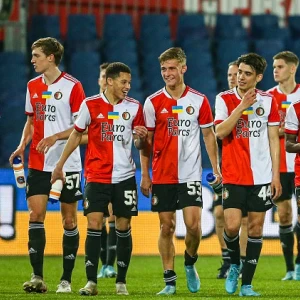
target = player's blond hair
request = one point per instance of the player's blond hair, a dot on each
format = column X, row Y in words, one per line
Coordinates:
column 173, row 53
column 288, row 57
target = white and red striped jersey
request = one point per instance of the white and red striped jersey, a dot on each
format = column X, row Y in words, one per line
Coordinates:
column 292, row 126
column 176, row 143
column 284, row 101
column 110, row 135
column 246, row 158
column 53, row 108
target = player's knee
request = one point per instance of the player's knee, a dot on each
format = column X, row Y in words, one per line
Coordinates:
column 69, row 223
column 167, row 229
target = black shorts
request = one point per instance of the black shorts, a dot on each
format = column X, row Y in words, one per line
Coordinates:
column 297, row 193
column 288, row 186
column 256, row 198
column 171, row 197
column 38, row 183
column 122, row 195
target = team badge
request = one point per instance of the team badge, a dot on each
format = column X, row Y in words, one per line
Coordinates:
column 260, row 111
column 58, row 95
column 126, row 115
column 154, row 200
column 190, row 110
column 86, row 203
column 225, row 194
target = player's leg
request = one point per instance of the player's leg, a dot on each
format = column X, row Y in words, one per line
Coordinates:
column 243, row 239
column 297, row 232
column 103, row 251
column 96, row 198
column 37, row 191
column 125, row 206
column 219, row 226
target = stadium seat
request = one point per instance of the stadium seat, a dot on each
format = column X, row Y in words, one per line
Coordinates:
column 261, row 25
column 43, row 26
column 191, row 25
column 118, row 26
column 268, row 48
column 12, row 58
column 161, row 21
column 230, row 27
column 294, row 26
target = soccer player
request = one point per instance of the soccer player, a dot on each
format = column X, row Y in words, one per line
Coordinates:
column 108, row 239
column 112, row 119
column 247, row 122
column 217, row 204
column 286, row 92
column 174, row 116
column 52, row 103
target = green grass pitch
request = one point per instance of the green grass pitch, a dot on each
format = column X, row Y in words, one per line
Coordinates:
column 144, row 279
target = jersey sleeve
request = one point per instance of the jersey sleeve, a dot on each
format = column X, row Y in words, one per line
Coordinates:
column 83, row 119
column 76, row 98
column 274, row 118
column 28, row 106
column 139, row 118
column 149, row 114
column 221, row 110
column 291, row 121
column 205, row 118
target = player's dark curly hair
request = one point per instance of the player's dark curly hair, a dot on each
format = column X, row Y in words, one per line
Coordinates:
column 113, row 70
column 255, row 61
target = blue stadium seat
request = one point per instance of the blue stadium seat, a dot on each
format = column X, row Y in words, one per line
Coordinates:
column 230, row 27
column 160, row 21
column 12, row 58
column 268, row 48
column 154, row 46
column 191, row 43
column 43, row 26
column 191, row 25
column 262, row 24
column 294, row 26
column 118, row 26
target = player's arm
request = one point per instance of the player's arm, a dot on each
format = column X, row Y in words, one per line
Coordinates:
column 140, row 137
column 275, row 156
column 72, row 143
column 291, row 143
column 145, row 154
column 209, row 138
column 225, row 128
column 25, row 139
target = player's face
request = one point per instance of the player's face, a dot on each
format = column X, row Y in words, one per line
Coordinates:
column 102, row 80
column 172, row 72
column 40, row 61
column 281, row 70
column 232, row 76
column 247, row 78
column 121, row 85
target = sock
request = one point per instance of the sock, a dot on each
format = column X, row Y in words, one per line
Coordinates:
column 225, row 255
column 111, row 244
column 70, row 247
column 36, row 246
column 103, row 251
column 286, row 236
column 189, row 260
column 254, row 246
column 243, row 258
column 233, row 246
column 124, row 249
column 92, row 252
column 170, row 277
column 297, row 230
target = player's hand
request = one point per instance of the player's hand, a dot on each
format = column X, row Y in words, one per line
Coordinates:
column 18, row 152
column 146, row 186
column 44, row 145
column 249, row 99
column 141, row 132
column 276, row 189
column 57, row 174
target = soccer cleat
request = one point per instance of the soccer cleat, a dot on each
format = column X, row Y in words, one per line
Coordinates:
column 168, row 290
column 35, row 285
column 101, row 273
column 121, row 289
column 90, row 289
column 110, row 272
column 223, row 270
column 247, row 290
column 193, row 281
column 297, row 272
column 231, row 282
column 64, row 287
column 288, row 276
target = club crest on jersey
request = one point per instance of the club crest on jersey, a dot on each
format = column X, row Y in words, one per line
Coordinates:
column 190, row 110
column 86, row 203
column 58, row 95
column 260, row 111
column 225, row 194
column 154, row 200
column 126, row 115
